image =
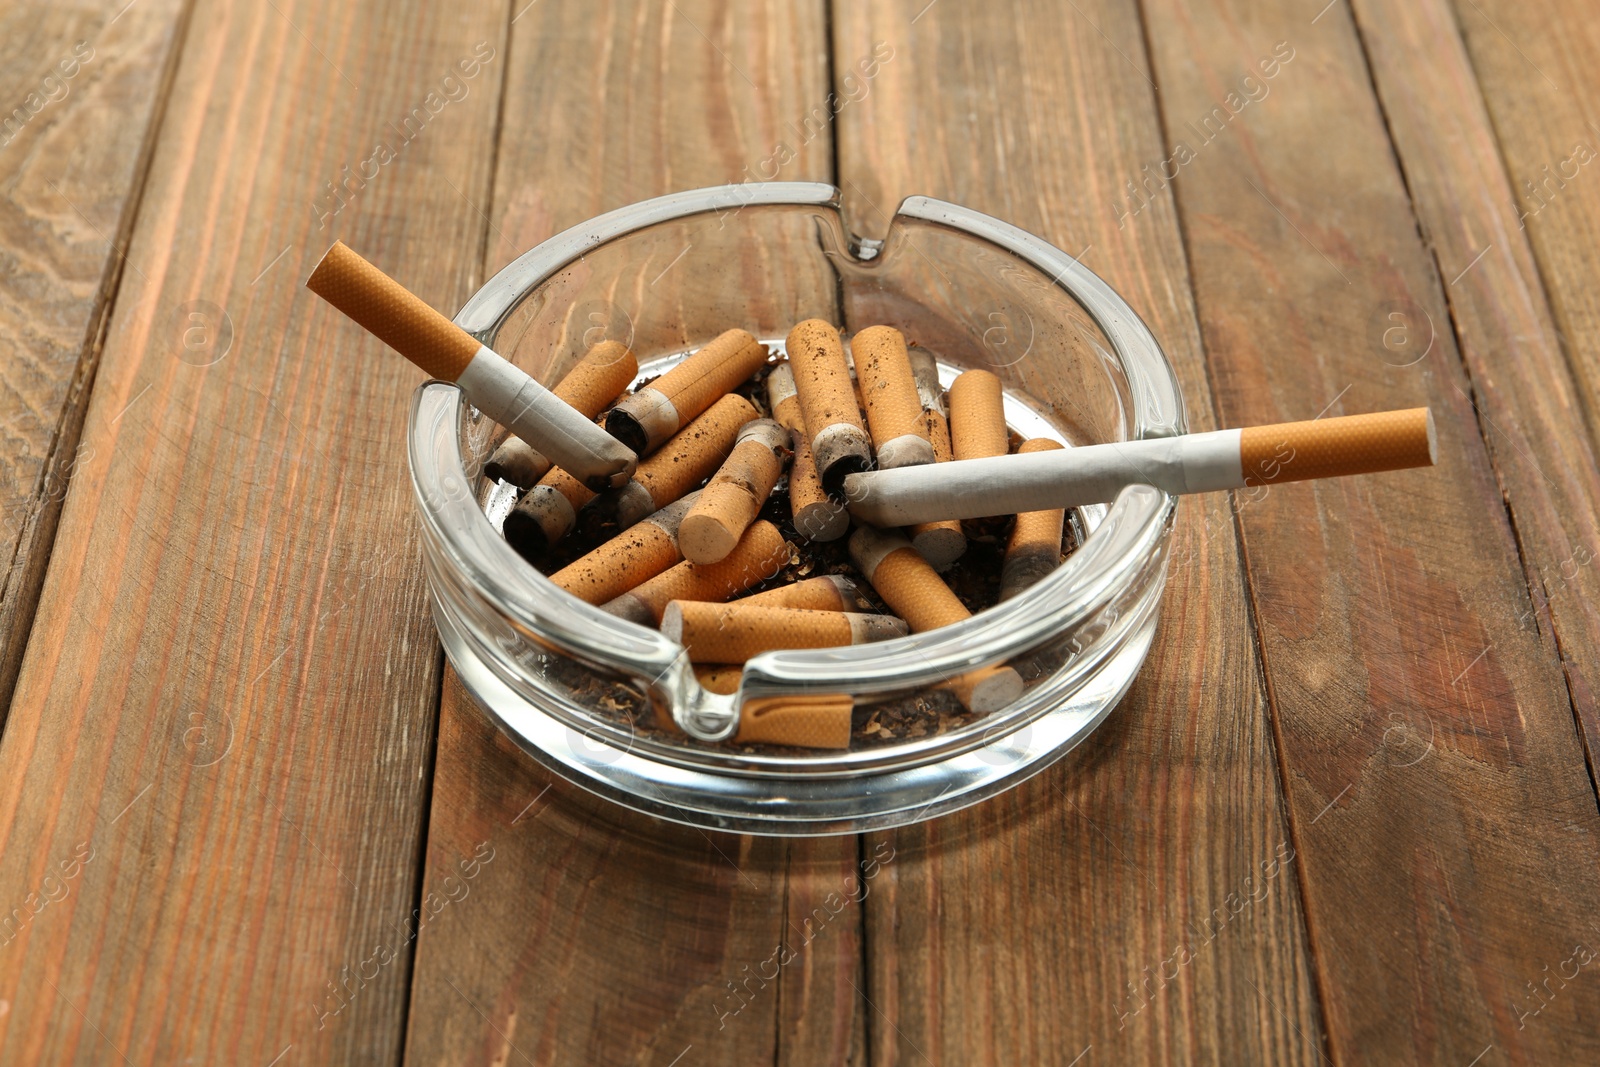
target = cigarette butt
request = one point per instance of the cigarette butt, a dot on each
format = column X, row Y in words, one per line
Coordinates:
column 889, row 394
column 597, row 379
column 732, row 633
column 406, row 323
column 817, row 516
column 645, row 420
column 820, row 720
column 925, row 372
column 828, row 592
column 839, row 439
column 761, row 554
column 545, row 513
column 629, row 559
column 1035, row 546
column 782, row 399
column 977, row 416
column 736, row 493
column 940, row 543
column 1191, row 463
column 679, row 466
column 918, row 595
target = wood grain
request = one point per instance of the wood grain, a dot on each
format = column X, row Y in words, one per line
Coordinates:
column 1446, row 826
column 606, row 936
column 81, row 92
column 229, row 691
column 1067, row 921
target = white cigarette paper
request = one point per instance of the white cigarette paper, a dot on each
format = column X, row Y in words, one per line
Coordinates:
column 1095, row 474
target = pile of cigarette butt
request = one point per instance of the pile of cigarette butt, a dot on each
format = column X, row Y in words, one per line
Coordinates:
column 723, row 533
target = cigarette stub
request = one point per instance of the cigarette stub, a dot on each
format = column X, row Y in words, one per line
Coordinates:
column 545, row 513
column 732, row 633
column 629, row 559
column 940, row 543
column 918, row 595
column 839, row 440
column 736, row 493
column 819, row 720
column 1035, row 546
column 925, row 372
column 444, row 350
column 761, row 554
column 1192, row 463
column 597, row 379
column 817, row 516
column 977, row 416
column 889, row 394
column 645, row 420
column 829, row 592
column 677, row 467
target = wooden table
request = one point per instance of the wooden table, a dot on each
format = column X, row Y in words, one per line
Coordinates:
column 248, row 816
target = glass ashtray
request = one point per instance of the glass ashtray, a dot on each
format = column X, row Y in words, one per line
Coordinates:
column 614, row 707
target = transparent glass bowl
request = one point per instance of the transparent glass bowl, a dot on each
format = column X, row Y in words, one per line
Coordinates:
column 587, row 694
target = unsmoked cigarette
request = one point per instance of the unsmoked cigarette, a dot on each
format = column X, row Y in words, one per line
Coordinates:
column 828, row 592
column 629, row 559
column 597, row 379
column 940, row 543
column 918, row 595
column 839, row 439
column 444, row 350
column 545, row 513
column 977, row 416
column 736, row 493
column 1191, row 463
column 817, row 516
column 732, row 633
column 889, row 394
column 1035, row 546
column 761, row 554
column 645, row 420
column 677, row 467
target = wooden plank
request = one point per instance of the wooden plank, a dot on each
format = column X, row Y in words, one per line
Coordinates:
column 1070, row 920
column 223, row 720
column 82, row 89
column 604, row 936
column 1446, row 826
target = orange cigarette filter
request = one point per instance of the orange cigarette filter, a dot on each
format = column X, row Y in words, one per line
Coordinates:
column 813, row 721
column 679, row 466
column 977, row 416
column 598, row 378
column 822, row 379
column 545, row 513
column 645, row 420
column 829, row 592
column 631, row 558
column 916, row 593
column 1330, row 448
column 761, row 554
column 817, row 516
column 940, row 543
column 1035, row 546
column 732, row 633
column 736, row 493
column 889, row 395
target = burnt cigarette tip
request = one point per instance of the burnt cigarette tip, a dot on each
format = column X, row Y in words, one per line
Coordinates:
column 627, row 429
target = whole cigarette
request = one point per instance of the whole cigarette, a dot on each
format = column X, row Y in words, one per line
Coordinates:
column 736, row 493
column 629, row 559
column 679, row 466
column 1192, row 463
column 817, row 516
column 940, row 543
column 732, row 633
column 597, row 379
column 444, row 350
column 819, row 720
column 827, row 399
column 1035, row 546
column 889, row 394
column 761, row 554
column 829, row 592
column 645, row 420
column 977, row 416
column 918, row 595
column 545, row 513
